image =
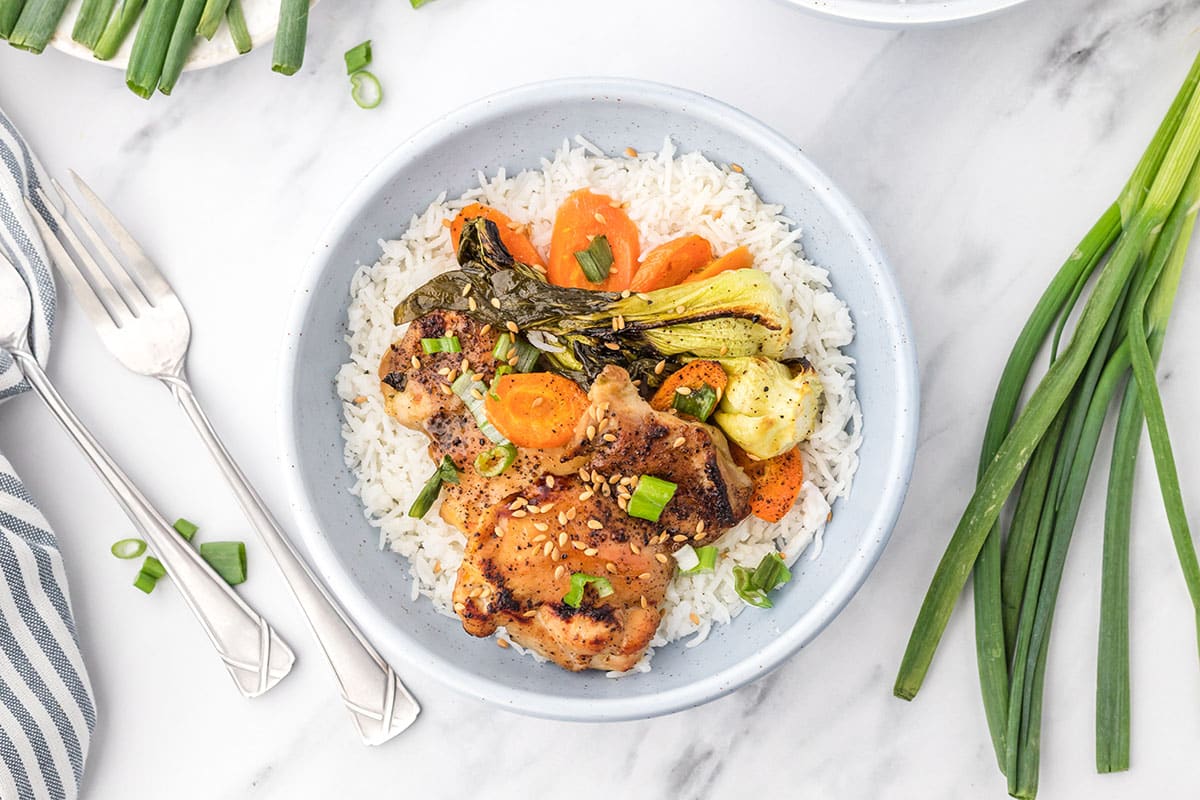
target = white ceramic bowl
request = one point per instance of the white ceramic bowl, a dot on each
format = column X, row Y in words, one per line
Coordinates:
column 514, row 130
column 915, row 13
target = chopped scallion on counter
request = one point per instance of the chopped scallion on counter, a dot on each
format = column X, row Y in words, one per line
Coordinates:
column 365, row 89
column 228, row 559
column 185, row 528
column 596, row 260
column 495, row 461
column 579, row 581
column 358, row 57
column 128, row 548
column 650, row 498
column 752, row 585
column 446, row 472
column 699, row 403
column 145, row 581
column 153, row 567
column 442, row 344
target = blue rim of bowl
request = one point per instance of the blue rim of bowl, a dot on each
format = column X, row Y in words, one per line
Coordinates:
column 896, row 15
column 385, row 635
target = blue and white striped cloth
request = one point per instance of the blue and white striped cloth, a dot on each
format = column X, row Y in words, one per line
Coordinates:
column 46, row 710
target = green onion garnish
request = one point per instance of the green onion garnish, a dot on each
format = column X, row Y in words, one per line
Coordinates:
column 358, row 57
column 650, row 498
column 442, row 344
column 527, row 355
column 699, row 403
column 503, row 345
column 579, row 580
column 145, row 581
column 693, row 560
column 365, row 89
column 752, row 585
column 491, row 463
column 596, row 260
column 185, row 528
column 471, row 392
column 446, row 472
column 228, row 559
column 128, row 548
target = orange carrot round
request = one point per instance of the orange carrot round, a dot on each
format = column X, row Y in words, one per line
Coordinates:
column 737, row 258
column 583, row 216
column 693, row 376
column 536, row 409
column 671, row 262
column 777, row 482
column 518, row 244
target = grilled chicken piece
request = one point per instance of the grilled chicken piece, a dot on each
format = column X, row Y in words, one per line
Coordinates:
column 418, row 395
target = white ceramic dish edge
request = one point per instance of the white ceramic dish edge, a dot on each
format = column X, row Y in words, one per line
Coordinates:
column 905, row 15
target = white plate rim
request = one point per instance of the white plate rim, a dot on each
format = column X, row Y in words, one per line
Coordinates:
column 892, row 14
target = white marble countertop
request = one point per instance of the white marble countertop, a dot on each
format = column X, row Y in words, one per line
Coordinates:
column 979, row 153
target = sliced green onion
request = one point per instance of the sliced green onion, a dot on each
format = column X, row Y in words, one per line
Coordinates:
column 185, row 528
column 93, row 16
column 699, row 403
column 128, row 548
column 365, row 89
column 145, row 581
column 153, row 567
column 752, row 585
column 290, row 37
column 708, row 558
column 119, row 25
column 442, row 344
column 495, row 461
column 239, row 32
column 446, row 472
column 693, row 560
column 503, row 345
column 417, row 3
column 358, row 57
column 527, row 355
column 650, row 498
column 596, row 260
column 471, row 392
column 228, row 559
column 580, row 580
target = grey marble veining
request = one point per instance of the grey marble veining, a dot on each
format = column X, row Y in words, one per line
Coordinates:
column 979, row 153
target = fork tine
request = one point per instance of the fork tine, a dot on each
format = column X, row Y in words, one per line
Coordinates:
column 82, row 290
column 133, row 295
column 142, row 266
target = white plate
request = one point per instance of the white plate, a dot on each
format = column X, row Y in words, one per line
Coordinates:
column 892, row 13
column 262, row 16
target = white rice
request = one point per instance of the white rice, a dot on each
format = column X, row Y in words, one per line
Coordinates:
column 668, row 195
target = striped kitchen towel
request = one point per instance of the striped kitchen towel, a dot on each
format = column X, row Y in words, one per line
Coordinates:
column 46, row 710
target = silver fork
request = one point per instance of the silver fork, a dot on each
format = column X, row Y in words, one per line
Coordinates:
column 254, row 655
column 141, row 321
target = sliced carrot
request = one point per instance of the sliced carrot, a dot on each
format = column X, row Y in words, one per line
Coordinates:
column 737, row 258
column 536, row 409
column 583, row 216
column 671, row 262
column 518, row 244
column 693, row 376
column 777, row 482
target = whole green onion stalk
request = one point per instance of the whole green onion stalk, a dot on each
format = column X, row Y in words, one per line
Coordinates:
column 150, row 46
column 10, row 10
column 89, row 25
column 210, row 19
column 237, row 27
column 36, row 24
column 290, row 37
column 119, row 25
column 182, row 39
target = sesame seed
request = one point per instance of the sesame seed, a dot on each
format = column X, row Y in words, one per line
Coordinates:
column 603, row 424
column 662, row 559
column 660, row 366
column 695, row 619
column 541, row 537
column 600, row 218
column 679, row 537
column 584, row 496
column 445, row 389
column 446, row 223
column 679, row 309
column 437, row 566
column 475, row 592
column 539, row 268
column 550, row 481
column 623, row 503
column 612, row 345
column 555, row 554
column 460, row 607
column 478, row 376
column 591, row 551
column 465, row 366
column 498, row 533
column 537, row 401
column 562, row 539
column 570, row 513
column 633, row 548
column 615, row 325
column 502, row 644
column 645, row 298
column 512, row 362
column 478, row 395
column 530, row 613
column 611, row 567
column 512, row 326
column 629, row 151
column 684, row 390
column 680, row 442
column 513, row 225
column 444, row 371
column 724, row 349
column 495, row 302
column 541, row 526
column 608, row 437
column 578, row 545
column 471, row 304
column 645, row 576
column 595, row 524
column 590, row 432
column 358, row 401
column 558, row 571
column 701, row 535
column 485, row 330
column 519, row 514
column 520, row 501
column 700, row 526
column 736, row 167
column 644, row 603
column 606, row 490
column 547, row 548
column 626, row 294
column 416, row 362
column 614, row 478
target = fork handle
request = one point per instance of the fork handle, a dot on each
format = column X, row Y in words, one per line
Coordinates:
column 253, row 653
column 379, row 704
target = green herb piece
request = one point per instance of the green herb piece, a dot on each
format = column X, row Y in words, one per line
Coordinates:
column 699, row 403
column 527, row 355
column 471, row 392
column 495, row 461
column 213, row 12
column 120, row 23
column 579, row 581
column 36, row 24
column 185, row 528
column 446, row 472
column 596, row 260
column 693, row 560
column 238, row 31
column 290, row 37
column 752, row 585
column 358, row 57
column 89, row 25
column 365, row 89
column 503, row 345
column 128, row 548
column 228, row 559
column 150, row 46
column 650, row 498
column 145, row 581
column 153, row 567
column 442, row 344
